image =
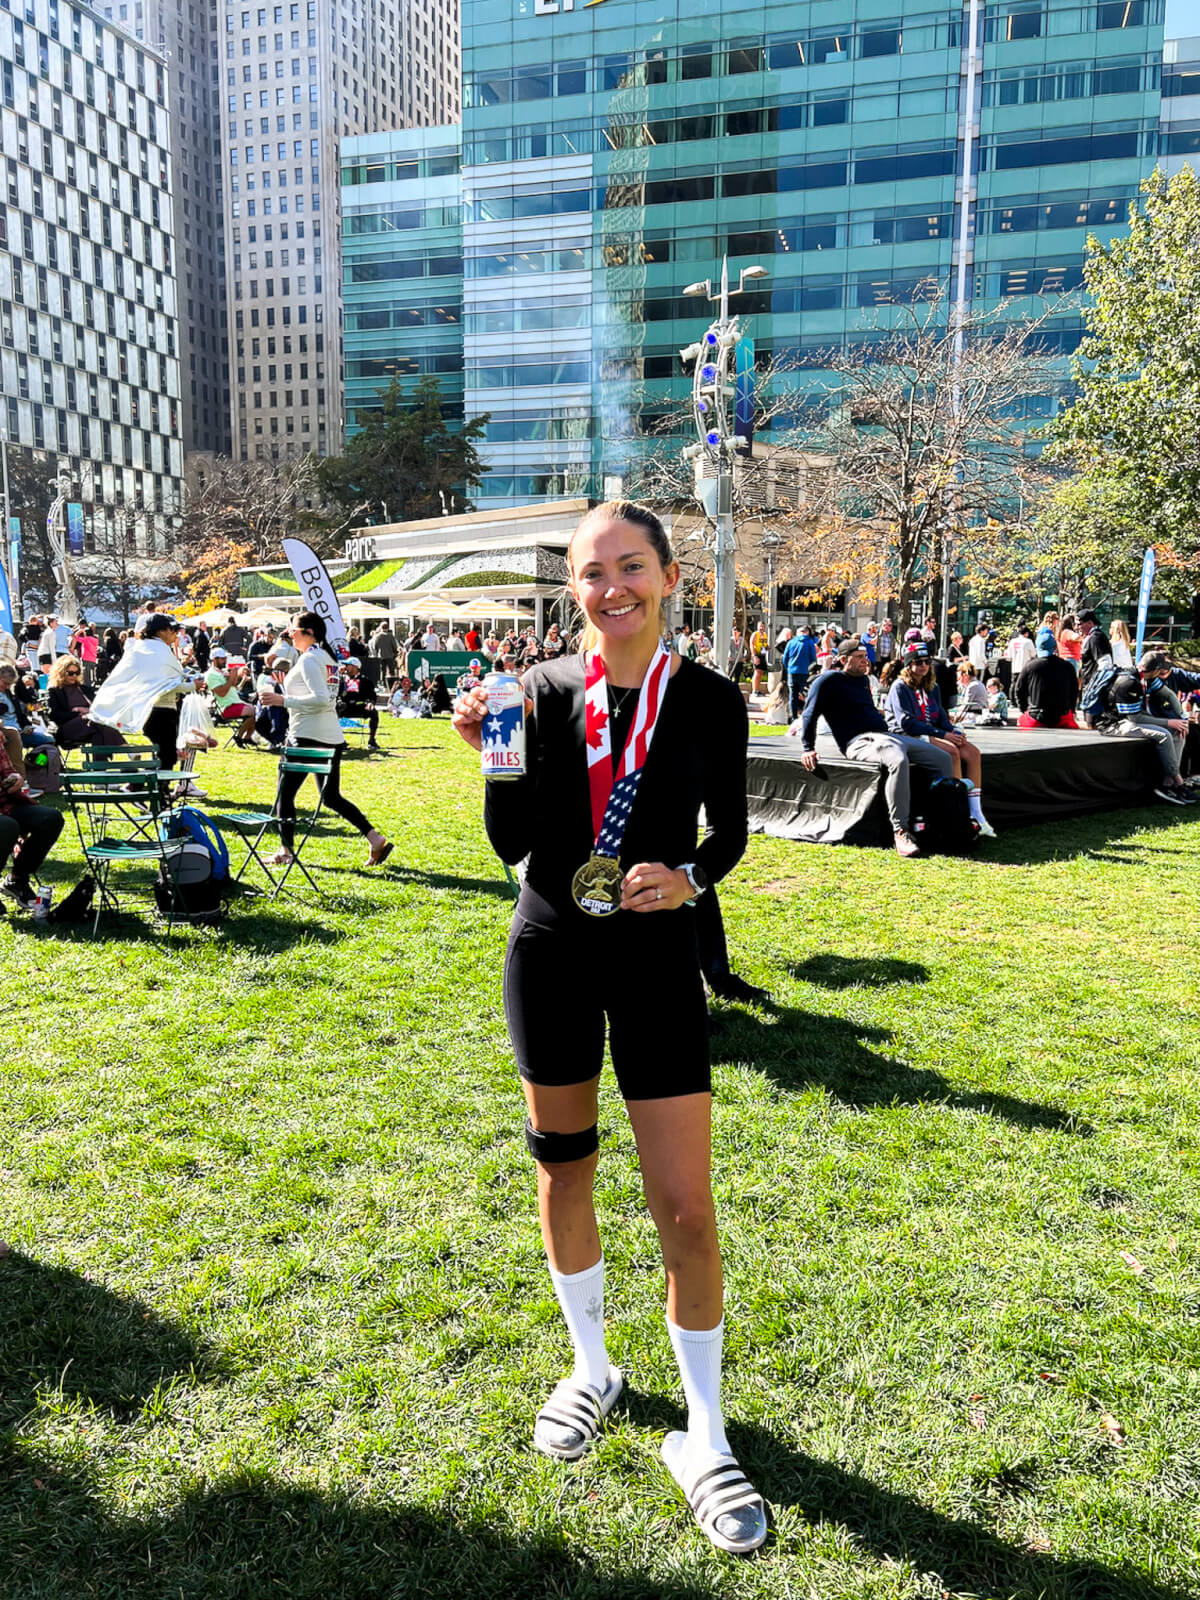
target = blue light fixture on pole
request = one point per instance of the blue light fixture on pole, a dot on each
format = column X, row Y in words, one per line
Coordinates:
column 712, row 390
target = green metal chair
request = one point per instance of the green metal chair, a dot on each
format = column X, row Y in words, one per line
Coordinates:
column 97, row 799
column 253, row 826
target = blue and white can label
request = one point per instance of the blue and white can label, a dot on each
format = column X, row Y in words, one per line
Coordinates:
column 503, row 751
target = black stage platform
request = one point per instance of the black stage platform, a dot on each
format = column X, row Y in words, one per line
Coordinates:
column 1028, row 777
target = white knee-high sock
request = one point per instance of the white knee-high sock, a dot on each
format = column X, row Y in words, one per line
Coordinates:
column 581, row 1296
column 698, row 1352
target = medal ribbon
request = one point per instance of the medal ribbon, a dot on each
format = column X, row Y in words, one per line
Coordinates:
column 613, row 794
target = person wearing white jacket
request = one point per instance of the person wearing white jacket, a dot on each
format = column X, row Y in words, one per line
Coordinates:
column 141, row 693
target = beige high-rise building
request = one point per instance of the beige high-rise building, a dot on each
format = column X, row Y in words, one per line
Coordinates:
column 297, row 76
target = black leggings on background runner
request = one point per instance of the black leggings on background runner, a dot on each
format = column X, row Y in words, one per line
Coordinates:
column 289, row 787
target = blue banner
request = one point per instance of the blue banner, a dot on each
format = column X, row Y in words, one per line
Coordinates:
column 6, row 614
column 75, row 528
column 1144, row 600
column 743, row 397
column 14, row 532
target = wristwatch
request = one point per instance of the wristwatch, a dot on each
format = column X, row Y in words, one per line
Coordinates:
column 698, row 879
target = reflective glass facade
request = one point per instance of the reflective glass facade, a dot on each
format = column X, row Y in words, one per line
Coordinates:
column 613, row 152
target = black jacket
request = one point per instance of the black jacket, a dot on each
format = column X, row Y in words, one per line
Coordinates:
column 1047, row 690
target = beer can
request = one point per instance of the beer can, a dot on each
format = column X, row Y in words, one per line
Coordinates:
column 503, row 751
column 42, row 901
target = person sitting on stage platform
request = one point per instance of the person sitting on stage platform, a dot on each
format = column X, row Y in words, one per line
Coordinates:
column 1127, row 714
column 1174, row 692
column 972, row 696
column 861, row 734
column 914, row 708
column 997, row 703
column 1047, row 690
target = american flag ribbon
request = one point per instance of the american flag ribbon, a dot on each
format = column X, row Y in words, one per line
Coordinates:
column 613, row 795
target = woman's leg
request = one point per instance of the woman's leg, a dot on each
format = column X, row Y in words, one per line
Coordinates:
column 565, row 1206
column 969, row 756
column 951, row 750
column 289, row 788
column 338, row 803
column 673, row 1140
column 972, row 762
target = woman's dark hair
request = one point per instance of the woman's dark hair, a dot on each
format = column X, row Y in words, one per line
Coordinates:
column 890, row 672
column 312, row 623
column 158, row 623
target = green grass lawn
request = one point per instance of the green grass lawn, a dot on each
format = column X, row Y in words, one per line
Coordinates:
column 276, row 1321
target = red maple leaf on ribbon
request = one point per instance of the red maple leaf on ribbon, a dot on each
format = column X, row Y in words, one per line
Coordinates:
column 594, row 726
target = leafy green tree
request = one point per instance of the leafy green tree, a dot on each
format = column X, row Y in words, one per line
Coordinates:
column 1133, row 432
column 407, row 462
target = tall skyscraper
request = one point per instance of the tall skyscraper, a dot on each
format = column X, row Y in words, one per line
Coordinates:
column 89, row 353
column 613, row 153
column 187, row 35
column 297, row 77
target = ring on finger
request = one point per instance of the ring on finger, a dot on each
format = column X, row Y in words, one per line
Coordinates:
column 658, row 894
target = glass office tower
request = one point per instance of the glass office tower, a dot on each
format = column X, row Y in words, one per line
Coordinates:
column 614, row 151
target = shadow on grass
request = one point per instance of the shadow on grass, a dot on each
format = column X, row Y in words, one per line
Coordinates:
column 60, row 1333
column 964, row 1556
column 802, row 1050
column 831, row 971
column 1077, row 836
column 252, row 1536
column 246, row 922
column 429, row 880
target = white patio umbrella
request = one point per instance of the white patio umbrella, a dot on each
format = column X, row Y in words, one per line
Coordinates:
column 265, row 617
column 364, row 611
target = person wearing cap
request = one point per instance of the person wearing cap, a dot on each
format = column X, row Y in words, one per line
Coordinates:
column 223, row 680
column 914, row 708
column 844, row 699
column 142, row 691
column 1047, row 690
column 1140, row 705
column 356, row 698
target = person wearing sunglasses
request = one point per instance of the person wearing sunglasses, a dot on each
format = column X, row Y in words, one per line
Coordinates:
column 70, row 706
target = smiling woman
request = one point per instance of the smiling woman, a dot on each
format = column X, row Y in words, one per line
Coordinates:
column 609, row 890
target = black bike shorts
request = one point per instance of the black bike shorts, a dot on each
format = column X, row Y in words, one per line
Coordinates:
column 641, row 977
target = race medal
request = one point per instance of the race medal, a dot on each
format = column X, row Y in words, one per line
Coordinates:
column 596, row 887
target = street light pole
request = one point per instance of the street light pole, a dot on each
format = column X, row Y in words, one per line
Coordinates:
column 68, row 606
column 711, row 390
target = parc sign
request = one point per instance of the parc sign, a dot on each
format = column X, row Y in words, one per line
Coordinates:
column 551, row 8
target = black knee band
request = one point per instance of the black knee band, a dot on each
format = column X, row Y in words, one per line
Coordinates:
column 552, row 1147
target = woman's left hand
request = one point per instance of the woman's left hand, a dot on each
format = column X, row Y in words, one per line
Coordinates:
column 652, row 886
column 269, row 698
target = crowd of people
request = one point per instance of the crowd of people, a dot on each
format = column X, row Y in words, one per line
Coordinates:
column 902, row 699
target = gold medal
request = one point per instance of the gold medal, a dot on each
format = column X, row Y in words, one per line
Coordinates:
column 596, row 887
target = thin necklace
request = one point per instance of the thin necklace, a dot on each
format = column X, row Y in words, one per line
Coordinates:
column 619, row 698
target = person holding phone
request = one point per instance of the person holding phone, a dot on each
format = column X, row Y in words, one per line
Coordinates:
column 626, row 741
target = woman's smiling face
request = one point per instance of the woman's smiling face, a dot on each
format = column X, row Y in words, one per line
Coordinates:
column 618, row 580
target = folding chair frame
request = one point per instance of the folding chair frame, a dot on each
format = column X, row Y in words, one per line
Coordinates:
column 90, row 793
column 317, row 763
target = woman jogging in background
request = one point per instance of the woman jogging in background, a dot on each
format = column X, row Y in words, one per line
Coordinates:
column 626, row 742
column 313, row 724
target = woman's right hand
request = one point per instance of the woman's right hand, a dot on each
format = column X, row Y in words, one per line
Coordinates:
column 469, row 712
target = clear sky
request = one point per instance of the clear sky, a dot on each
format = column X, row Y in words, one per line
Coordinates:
column 1183, row 19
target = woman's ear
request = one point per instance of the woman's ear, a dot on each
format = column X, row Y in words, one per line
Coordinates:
column 671, row 576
